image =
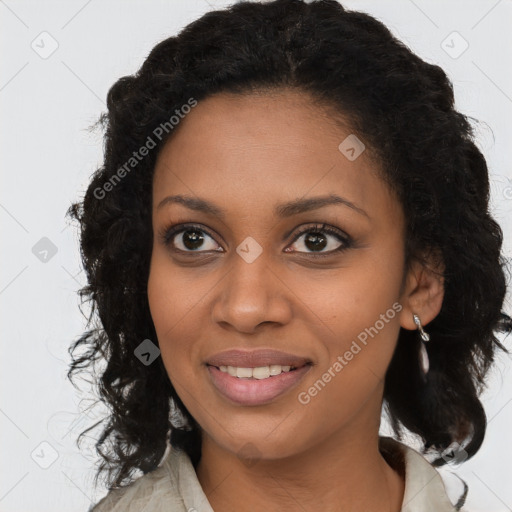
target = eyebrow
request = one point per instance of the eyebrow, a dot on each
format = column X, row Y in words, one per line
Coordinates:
column 282, row 210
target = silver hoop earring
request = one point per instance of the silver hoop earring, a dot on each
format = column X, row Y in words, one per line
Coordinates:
column 424, row 362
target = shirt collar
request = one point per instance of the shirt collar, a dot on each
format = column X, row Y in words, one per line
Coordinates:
column 424, row 488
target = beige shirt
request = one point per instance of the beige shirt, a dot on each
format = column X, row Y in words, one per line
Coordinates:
column 173, row 486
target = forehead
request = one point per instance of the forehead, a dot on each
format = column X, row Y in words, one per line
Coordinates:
column 266, row 147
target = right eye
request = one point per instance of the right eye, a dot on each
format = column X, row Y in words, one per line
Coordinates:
column 187, row 238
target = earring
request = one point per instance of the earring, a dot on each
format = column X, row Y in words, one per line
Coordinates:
column 424, row 363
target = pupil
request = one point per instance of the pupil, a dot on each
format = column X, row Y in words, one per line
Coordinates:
column 192, row 239
column 315, row 241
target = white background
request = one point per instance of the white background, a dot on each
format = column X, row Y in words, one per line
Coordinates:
column 48, row 155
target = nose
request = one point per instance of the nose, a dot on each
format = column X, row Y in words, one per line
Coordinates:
column 251, row 294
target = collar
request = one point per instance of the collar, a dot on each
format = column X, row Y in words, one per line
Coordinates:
column 424, row 488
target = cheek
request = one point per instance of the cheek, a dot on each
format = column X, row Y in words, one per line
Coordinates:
column 173, row 294
column 351, row 299
column 173, row 302
column 358, row 310
column 362, row 316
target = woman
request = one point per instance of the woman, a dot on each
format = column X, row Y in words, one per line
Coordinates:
column 290, row 230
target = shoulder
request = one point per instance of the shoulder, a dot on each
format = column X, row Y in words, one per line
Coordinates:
column 156, row 491
column 425, row 489
column 173, row 485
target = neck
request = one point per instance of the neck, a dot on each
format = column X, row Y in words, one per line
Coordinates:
column 343, row 473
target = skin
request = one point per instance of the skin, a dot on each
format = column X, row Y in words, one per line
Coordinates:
column 247, row 154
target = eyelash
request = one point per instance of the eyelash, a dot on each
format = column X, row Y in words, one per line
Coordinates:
column 168, row 233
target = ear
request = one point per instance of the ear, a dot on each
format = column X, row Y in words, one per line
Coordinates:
column 423, row 291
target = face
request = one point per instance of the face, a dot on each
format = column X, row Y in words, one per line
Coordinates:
column 267, row 277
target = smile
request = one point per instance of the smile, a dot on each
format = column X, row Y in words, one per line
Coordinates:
column 261, row 372
column 245, row 386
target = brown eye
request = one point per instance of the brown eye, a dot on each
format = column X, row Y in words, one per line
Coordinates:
column 318, row 238
column 189, row 239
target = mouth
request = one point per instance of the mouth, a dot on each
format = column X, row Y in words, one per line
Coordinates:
column 258, row 373
column 257, row 377
column 257, row 358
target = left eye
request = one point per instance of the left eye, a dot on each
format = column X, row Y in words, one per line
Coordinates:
column 317, row 239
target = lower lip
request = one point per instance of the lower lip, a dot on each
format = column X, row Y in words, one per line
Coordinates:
column 255, row 391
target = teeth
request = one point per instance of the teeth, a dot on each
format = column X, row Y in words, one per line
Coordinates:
column 261, row 372
column 275, row 369
column 244, row 372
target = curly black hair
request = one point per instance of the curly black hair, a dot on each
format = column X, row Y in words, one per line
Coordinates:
column 401, row 106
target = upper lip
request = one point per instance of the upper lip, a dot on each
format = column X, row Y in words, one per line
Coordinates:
column 256, row 358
